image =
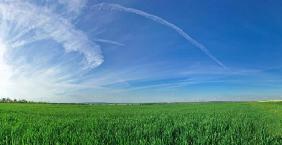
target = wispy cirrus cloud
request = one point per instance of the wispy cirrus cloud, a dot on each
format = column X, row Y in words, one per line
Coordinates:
column 73, row 7
column 26, row 25
column 68, row 9
column 30, row 18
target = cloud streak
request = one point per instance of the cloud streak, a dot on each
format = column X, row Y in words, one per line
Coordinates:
column 109, row 42
column 117, row 7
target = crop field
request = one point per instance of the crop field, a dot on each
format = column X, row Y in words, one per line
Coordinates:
column 182, row 123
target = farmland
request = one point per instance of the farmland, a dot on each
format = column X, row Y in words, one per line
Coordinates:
column 180, row 123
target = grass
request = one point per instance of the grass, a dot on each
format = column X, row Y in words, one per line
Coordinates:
column 184, row 123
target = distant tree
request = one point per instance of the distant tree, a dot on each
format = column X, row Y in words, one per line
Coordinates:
column 8, row 100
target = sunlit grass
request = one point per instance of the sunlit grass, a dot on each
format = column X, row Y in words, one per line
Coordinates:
column 194, row 123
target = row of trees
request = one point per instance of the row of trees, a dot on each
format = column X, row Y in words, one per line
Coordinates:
column 8, row 100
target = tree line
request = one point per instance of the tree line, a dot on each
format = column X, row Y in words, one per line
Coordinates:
column 8, row 100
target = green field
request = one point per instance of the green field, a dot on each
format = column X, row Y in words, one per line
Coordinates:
column 183, row 123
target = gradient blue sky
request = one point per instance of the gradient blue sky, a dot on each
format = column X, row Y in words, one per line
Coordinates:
column 140, row 51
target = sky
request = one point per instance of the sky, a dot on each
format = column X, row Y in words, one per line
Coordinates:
column 141, row 51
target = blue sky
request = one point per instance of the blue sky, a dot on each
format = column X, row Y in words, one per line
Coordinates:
column 140, row 51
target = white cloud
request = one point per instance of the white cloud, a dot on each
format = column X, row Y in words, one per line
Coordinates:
column 73, row 7
column 29, row 17
column 25, row 22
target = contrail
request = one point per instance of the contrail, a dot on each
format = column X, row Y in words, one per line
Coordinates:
column 117, row 7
